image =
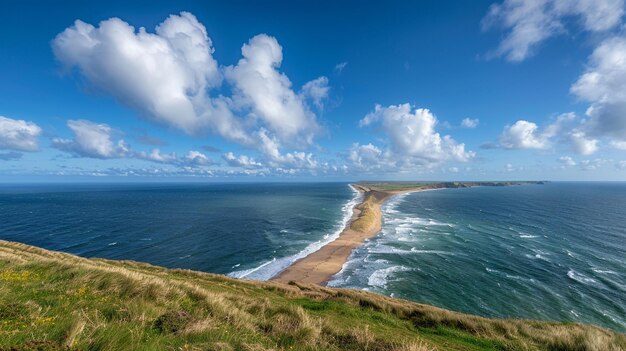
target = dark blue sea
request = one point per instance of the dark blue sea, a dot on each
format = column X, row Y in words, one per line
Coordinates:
column 555, row 251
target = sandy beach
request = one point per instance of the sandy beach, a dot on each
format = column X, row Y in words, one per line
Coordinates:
column 366, row 222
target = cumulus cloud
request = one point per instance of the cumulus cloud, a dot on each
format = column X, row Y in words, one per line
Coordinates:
column 99, row 140
column 530, row 22
column 523, row 135
column 412, row 140
column 565, row 129
column 18, row 135
column 163, row 75
column 317, row 91
column 171, row 77
column 621, row 165
column 270, row 146
column 369, row 158
column 268, row 93
column 92, row 140
column 582, row 144
column 604, row 86
column 412, row 135
column 191, row 159
column 197, row 158
column 241, row 161
column 156, row 156
column 469, row 123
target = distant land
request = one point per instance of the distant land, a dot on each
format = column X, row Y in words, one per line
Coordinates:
column 57, row 301
column 366, row 222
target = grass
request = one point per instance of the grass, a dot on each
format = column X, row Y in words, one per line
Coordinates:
column 399, row 186
column 56, row 301
column 392, row 186
column 369, row 212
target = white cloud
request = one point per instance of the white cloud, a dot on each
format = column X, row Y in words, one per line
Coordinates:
column 100, row 141
column 369, row 157
column 523, row 135
column 156, row 156
column 165, row 75
column 19, row 135
column 317, row 91
column 270, row 146
column 413, row 137
column 469, row 123
column 92, row 140
column 267, row 92
column 340, row 66
column 621, row 165
column 530, row 22
column 527, row 135
column 592, row 165
column 596, row 15
column 191, row 159
column 567, row 161
column 196, row 158
column 582, row 144
column 241, row 161
column 509, row 168
column 168, row 76
column 604, row 85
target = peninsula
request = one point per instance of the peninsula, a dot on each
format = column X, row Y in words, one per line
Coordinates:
column 366, row 222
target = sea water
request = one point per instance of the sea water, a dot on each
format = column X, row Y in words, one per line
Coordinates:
column 248, row 230
column 555, row 251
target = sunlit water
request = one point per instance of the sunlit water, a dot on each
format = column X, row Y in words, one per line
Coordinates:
column 554, row 251
column 218, row 228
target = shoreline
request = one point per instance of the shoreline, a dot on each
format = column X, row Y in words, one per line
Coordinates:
column 366, row 222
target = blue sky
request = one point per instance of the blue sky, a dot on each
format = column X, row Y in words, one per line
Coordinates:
column 312, row 91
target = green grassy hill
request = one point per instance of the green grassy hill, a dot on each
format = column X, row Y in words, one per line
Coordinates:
column 57, row 301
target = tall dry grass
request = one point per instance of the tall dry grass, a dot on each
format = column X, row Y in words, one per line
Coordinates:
column 101, row 304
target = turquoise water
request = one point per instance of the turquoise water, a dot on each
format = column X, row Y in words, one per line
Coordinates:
column 554, row 251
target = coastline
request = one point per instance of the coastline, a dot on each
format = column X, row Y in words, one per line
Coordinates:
column 79, row 303
column 366, row 221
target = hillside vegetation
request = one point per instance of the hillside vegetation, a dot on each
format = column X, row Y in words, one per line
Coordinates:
column 57, row 301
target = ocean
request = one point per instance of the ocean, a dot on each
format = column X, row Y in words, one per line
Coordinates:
column 555, row 251
column 246, row 230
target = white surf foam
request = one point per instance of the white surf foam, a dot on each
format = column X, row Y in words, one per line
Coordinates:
column 271, row 268
column 603, row 271
column 572, row 274
column 528, row 236
column 380, row 277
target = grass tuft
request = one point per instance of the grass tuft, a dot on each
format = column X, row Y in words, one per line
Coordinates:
column 56, row 301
